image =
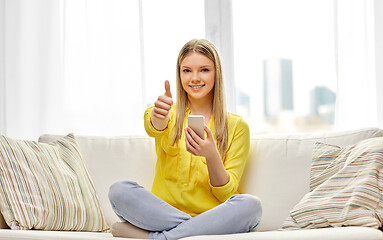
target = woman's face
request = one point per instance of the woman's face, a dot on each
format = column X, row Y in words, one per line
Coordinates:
column 197, row 74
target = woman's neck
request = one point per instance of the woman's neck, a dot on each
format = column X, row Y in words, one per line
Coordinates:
column 201, row 108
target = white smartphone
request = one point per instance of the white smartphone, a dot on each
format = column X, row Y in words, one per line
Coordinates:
column 197, row 123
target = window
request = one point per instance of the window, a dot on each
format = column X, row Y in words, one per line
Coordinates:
column 117, row 55
column 285, row 64
column 101, row 48
column 165, row 32
column 100, row 63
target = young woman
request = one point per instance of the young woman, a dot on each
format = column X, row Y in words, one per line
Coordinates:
column 195, row 189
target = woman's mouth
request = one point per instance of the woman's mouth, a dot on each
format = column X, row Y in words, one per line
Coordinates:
column 196, row 86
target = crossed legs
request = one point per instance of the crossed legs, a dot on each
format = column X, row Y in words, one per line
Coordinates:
column 144, row 215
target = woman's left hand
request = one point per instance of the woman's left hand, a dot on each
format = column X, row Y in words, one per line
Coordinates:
column 207, row 148
column 198, row 146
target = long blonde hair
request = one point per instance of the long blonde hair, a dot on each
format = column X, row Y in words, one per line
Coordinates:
column 206, row 48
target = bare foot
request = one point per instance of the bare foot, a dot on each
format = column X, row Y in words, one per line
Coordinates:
column 125, row 229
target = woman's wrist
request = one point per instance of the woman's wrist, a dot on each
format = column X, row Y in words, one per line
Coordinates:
column 159, row 124
column 217, row 172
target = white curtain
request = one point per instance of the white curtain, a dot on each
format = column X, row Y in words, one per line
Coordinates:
column 31, row 64
column 78, row 65
column 103, row 94
column 70, row 66
column 359, row 98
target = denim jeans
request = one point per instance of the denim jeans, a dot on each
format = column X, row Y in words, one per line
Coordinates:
column 136, row 205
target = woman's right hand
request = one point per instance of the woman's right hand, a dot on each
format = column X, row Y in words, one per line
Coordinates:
column 160, row 113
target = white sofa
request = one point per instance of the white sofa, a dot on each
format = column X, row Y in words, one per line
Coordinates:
column 278, row 172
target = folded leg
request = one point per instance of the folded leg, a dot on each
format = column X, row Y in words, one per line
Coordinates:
column 240, row 213
column 138, row 206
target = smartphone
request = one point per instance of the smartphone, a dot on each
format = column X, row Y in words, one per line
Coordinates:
column 197, row 123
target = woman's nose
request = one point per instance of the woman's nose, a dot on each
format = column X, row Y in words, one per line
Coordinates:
column 195, row 77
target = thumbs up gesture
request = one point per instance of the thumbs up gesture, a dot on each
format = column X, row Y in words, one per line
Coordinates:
column 160, row 113
column 167, row 89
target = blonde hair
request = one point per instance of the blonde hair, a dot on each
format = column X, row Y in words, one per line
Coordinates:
column 206, row 48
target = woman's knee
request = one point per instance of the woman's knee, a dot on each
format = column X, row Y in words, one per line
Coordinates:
column 253, row 202
column 121, row 189
column 251, row 208
column 247, row 201
column 254, row 206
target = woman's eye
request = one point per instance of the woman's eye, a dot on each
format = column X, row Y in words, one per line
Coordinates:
column 205, row 70
column 186, row 70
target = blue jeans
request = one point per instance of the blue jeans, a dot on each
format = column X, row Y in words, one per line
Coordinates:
column 136, row 205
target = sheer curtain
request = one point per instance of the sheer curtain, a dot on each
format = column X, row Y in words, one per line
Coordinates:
column 117, row 55
column 31, row 72
column 102, row 67
column 88, row 66
column 92, row 66
column 359, row 46
column 70, row 66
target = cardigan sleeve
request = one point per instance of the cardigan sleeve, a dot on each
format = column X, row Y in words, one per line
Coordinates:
column 149, row 128
column 235, row 159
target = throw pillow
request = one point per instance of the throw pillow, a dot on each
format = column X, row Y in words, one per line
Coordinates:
column 346, row 188
column 324, row 156
column 47, row 186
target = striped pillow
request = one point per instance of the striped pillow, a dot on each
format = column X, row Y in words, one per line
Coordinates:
column 324, row 157
column 47, row 186
column 346, row 188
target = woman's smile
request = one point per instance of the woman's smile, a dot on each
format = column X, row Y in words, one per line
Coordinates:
column 196, row 87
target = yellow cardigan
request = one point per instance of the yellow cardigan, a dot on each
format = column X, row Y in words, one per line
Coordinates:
column 182, row 179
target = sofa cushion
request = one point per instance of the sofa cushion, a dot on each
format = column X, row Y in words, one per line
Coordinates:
column 7, row 234
column 349, row 233
column 47, row 186
column 348, row 189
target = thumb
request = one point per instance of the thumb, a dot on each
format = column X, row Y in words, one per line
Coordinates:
column 167, row 89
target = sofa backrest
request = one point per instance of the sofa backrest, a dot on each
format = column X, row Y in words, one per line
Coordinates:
column 278, row 170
